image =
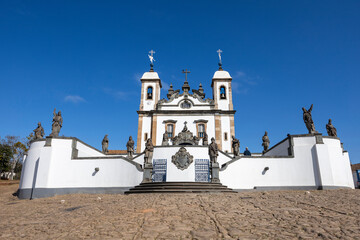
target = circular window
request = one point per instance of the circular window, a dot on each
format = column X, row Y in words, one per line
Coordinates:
column 185, row 104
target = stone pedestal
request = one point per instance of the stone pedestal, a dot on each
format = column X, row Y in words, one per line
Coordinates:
column 148, row 170
column 215, row 173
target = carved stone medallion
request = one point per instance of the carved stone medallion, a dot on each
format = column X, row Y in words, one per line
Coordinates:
column 182, row 159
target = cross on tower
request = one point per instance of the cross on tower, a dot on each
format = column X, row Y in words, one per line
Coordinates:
column 220, row 63
column 152, row 53
column 151, row 57
column 186, row 72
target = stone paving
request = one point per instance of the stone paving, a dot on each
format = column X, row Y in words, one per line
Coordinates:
column 327, row 214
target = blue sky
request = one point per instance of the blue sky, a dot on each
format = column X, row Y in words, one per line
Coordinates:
column 86, row 57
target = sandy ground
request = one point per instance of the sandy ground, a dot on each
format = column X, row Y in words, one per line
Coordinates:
column 251, row 215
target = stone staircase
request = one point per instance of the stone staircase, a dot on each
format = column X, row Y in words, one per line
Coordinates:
column 179, row 187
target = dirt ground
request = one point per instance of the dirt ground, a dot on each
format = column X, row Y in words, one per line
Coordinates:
column 326, row 214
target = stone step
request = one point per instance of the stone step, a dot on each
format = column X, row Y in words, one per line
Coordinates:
column 179, row 191
column 182, row 183
column 179, row 187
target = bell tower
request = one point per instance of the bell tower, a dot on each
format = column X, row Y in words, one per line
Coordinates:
column 150, row 95
column 222, row 94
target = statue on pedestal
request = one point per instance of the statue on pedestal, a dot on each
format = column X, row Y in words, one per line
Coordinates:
column 149, row 149
column 165, row 141
column 205, row 139
column 213, row 151
column 331, row 130
column 39, row 132
column 130, row 147
column 57, row 124
column 105, row 144
column 236, row 146
column 308, row 120
column 266, row 142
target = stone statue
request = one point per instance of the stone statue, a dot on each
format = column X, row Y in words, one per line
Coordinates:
column 308, row 120
column 105, row 144
column 165, row 141
column 331, row 130
column 266, row 142
column 57, row 124
column 185, row 129
column 205, row 139
column 130, row 147
column 149, row 149
column 213, row 151
column 236, row 146
column 196, row 140
column 39, row 132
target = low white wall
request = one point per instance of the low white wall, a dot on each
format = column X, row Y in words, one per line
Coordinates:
column 313, row 165
column 319, row 165
column 87, row 151
column 279, row 150
column 56, row 169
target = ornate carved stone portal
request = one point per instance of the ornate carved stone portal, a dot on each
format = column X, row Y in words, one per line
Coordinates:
column 182, row 159
column 185, row 137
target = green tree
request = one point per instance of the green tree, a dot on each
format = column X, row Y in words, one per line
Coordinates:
column 15, row 148
column 5, row 157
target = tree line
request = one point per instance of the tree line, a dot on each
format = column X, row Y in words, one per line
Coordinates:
column 12, row 152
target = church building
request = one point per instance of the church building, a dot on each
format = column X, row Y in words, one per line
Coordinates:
column 184, row 144
column 213, row 117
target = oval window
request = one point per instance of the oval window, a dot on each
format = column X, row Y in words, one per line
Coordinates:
column 185, row 104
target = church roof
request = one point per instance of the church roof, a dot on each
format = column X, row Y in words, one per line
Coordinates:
column 150, row 75
column 221, row 74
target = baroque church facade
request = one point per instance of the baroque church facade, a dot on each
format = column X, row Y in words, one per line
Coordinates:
column 172, row 148
column 203, row 117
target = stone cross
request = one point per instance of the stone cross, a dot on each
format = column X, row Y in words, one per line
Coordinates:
column 219, row 52
column 186, row 72
column 151, row 56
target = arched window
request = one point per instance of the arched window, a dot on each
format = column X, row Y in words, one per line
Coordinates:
column 170, row 130
column 222, row 92
column 149, row 93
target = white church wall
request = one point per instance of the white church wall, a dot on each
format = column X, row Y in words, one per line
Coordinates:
column 175, row 104
column 225, row 128
column 279, row 150
column 28, row 169
column 146, row 128
column 347, row 160
column 248, row 173
column 312, row 165
column 173, row 173
column 191, row 125
column 86, row 151
column 56, row 170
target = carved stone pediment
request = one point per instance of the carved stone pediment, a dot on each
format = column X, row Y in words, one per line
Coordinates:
column 182, row 159
column 176, row 94
column 185, row 137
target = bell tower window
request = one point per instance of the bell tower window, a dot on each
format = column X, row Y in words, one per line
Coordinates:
column 149, row 93
column 222, row 92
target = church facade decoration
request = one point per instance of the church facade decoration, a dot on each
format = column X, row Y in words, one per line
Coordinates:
column 182, row 159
